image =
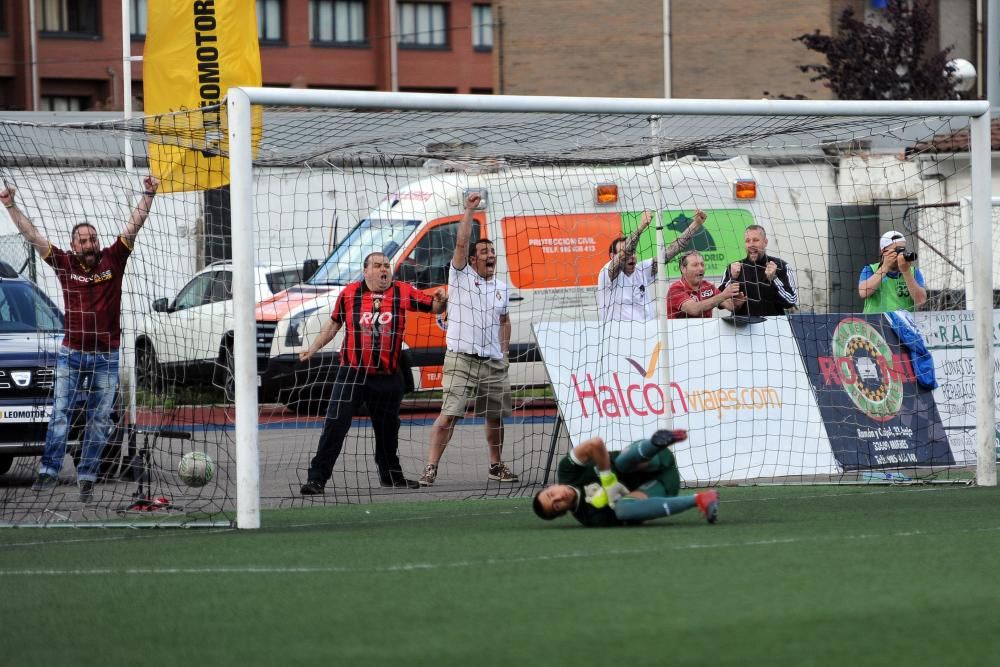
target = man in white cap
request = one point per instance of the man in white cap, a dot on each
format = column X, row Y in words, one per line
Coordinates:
column 892, row 284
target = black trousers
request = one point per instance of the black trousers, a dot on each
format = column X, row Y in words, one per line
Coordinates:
column 382, row 394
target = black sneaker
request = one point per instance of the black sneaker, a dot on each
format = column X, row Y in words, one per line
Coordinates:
column 311, row 488
column 499, row 472
column 664, row 438
column 44, row 483
column 399, row 483
column 86, row 491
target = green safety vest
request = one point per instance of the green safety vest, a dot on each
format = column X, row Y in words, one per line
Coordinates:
column 892, row 294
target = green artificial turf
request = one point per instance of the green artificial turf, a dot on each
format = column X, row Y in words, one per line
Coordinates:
column 865, row 575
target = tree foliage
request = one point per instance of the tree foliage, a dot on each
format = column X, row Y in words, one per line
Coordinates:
column 883, row 62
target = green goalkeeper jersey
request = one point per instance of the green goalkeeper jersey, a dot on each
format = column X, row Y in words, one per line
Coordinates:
column 578, row 476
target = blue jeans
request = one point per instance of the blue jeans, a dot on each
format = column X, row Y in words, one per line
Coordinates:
column 88, row 381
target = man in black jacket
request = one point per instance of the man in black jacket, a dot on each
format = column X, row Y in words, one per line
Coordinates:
column 768, row 282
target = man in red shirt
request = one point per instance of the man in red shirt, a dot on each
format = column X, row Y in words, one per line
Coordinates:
column 372, row 312
column 87, row 365
column 693, row 296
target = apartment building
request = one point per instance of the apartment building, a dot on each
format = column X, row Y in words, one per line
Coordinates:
column 625, row 48
column 689, row 48
column 73, row 48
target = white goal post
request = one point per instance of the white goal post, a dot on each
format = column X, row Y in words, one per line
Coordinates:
column 241, row 152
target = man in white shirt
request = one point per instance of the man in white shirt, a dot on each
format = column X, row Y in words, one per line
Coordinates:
column 476, row 362
column 625, row 285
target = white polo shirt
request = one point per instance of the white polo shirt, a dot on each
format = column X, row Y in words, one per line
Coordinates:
column 627, row 297
column 475, row 306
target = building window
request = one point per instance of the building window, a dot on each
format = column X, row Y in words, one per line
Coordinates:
column 482, row 27
column 137, row 18
column 62, row 103
column 423, row 24
column 67, row 16
column 269, row 20
column 338, row 22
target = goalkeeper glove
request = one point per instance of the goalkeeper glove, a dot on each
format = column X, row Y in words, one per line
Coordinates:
column 612, row 487
column 594, row 495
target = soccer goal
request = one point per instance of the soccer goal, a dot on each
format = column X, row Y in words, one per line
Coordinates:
column 230, row 282
column 822, row 395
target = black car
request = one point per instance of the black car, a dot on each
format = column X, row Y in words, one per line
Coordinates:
column 31, row 328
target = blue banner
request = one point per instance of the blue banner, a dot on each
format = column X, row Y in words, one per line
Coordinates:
column 876, row 414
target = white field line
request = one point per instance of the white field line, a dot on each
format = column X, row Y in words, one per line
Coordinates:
column 174, row 534
column 139, row 535
column 418, row 566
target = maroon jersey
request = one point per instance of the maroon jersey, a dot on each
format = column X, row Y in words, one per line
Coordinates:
column 681, row 291
column 374, row 323
column 92, row 298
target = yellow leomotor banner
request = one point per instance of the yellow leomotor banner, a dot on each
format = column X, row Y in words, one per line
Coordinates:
column 195, row 51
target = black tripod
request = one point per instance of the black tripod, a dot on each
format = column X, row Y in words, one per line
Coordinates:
column 140, row 469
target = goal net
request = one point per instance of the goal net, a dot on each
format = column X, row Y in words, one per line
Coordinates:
column 228, row 286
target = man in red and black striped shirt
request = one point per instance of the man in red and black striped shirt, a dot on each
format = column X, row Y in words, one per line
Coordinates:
column 372, row 313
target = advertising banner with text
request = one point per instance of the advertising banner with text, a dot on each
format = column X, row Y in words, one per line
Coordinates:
column 193, row 53
column 743, row 393
column 950, row 337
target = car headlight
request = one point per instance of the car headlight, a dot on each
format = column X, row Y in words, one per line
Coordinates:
column 296, row 324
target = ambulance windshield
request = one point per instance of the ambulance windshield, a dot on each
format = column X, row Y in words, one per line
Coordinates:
column 344, row 265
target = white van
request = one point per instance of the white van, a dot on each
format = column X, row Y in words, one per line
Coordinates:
column 551, row 228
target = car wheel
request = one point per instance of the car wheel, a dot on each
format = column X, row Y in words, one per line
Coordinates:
column 225, row 372
column 310, row 401
column 148, row 374
column 5, row 463
column 311, row 390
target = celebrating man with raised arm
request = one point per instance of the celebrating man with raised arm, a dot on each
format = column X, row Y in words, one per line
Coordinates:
column 91, row 280
column 625, row 285
column 476, row 361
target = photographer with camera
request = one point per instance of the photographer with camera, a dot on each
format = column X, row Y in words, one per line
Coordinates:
column 892, row 284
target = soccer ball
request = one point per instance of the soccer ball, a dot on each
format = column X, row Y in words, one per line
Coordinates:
column 196, row 469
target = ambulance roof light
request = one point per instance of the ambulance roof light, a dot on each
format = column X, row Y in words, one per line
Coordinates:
column 607, row 193
column 745, row 189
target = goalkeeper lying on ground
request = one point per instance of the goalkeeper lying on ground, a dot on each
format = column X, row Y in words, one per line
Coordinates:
column 595, row 485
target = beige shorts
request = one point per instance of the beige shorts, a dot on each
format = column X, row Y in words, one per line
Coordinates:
column 469, row 378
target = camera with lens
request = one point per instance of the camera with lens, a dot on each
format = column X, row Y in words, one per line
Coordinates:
column 910, row 256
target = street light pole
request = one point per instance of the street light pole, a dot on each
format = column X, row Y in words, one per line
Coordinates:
column 36, row 98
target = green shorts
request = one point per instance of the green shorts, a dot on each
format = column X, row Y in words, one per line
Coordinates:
column 663, row 480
